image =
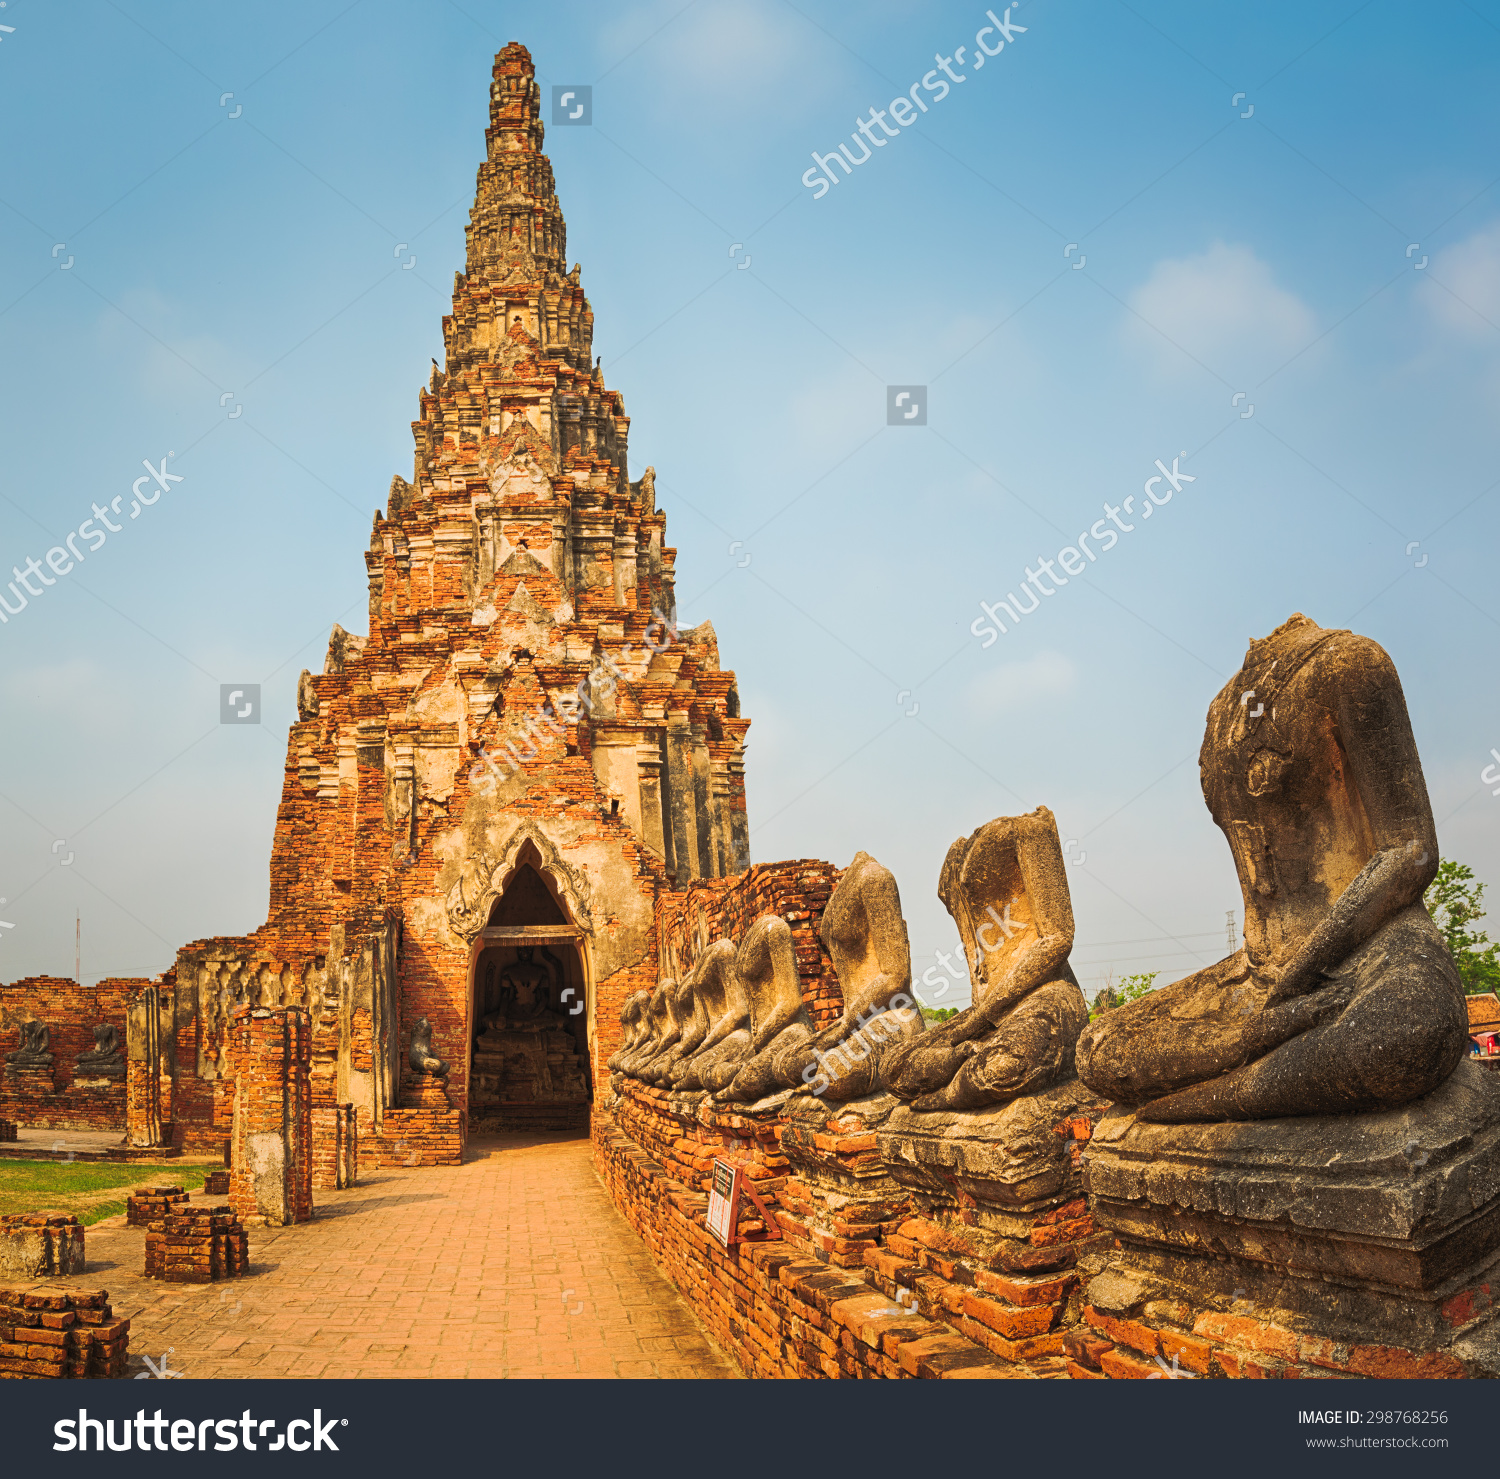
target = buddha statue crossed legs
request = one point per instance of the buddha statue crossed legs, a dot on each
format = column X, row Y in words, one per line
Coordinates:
column 766, row 965
column 865, row 934
column 1344, row 997
column 1006, row 887
column 715, row 1060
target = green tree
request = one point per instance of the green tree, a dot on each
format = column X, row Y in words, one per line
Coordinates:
column 1455, row 901
column 938, row 1014
column 1132, row 988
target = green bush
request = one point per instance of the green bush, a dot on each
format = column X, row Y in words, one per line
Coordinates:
column 1455, row 901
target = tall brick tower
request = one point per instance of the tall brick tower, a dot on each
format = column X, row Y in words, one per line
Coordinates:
column 485, row 797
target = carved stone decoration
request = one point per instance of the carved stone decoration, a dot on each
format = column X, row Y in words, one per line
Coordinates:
column 35, row 1040
column 107, row 1057
column 1006, row 887
column 307, row 697
column 864, row 932
column 721, row 996
column 767, row 965
column 482, row 880
column 422, row 1058
column 1344, row 996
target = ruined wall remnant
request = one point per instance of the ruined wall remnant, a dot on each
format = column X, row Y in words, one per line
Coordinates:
column 271, row 1172
column 80, row 1088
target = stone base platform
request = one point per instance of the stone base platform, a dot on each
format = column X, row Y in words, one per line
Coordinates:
column 511, row 1119
column 1362, row 1245
column 834, row 1298
column 999, row 1220
column 426, row 1131
column 35, row 1245
column 778, row 1313
column 684, row 1133
column 148, row 1153
column 840, row 1197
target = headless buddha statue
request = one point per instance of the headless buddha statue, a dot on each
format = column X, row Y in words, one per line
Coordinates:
column 1344, row 997
column 633, row 1020
column 766, row 964
column 683, row 1013
column 657, row 1023
column 865, row 934
column 726, row 1044
column 1006, row 887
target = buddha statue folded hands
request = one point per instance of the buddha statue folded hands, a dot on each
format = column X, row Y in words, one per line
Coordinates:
column 1344, row 996
column 1006, row 887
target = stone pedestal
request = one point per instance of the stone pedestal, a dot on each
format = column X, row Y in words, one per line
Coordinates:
column 198, row 1245
column 29, row 1080
column 1363, row 1244
column 270, row 1179
column 37, row 1245
column 425, row 1131
column 840, row 1196
column 999, row 1220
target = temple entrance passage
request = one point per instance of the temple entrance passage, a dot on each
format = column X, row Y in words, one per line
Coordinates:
column 529, row 1015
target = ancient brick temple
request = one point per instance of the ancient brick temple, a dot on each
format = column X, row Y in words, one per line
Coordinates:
column 487, row 795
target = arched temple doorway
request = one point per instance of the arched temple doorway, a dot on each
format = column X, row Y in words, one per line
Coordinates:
column 529, row 993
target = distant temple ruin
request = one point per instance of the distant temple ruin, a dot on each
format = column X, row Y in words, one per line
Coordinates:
column 487, row 795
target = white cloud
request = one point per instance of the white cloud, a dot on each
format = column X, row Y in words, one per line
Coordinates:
column 1014, row 686
column 1223, row 307
column 724, row 54
column 1464, row 290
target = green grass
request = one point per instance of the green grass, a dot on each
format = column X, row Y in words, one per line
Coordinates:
column 83, row 1188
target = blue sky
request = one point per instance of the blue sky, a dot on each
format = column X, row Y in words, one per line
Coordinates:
column 1285, row 207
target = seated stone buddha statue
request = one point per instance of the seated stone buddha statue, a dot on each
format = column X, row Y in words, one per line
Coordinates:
column 714, row 1062
column 766, row 965
column 1006, row 887
column 1344, row 997
column 864, row 933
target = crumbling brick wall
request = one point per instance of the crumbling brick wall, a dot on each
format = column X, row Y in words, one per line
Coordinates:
column 724, row 908
column 71, row 1012
column 51, row 1332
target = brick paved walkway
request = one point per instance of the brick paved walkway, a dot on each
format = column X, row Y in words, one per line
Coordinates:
column 512, row 1265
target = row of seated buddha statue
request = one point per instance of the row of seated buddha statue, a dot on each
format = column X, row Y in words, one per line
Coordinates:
column 1343, row 997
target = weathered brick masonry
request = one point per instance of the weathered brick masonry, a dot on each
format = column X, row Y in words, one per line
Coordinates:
column 521, row 758
column 49, row 1333
column 63, row 1097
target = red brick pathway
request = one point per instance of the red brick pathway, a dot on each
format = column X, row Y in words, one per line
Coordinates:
column 512, row 1265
